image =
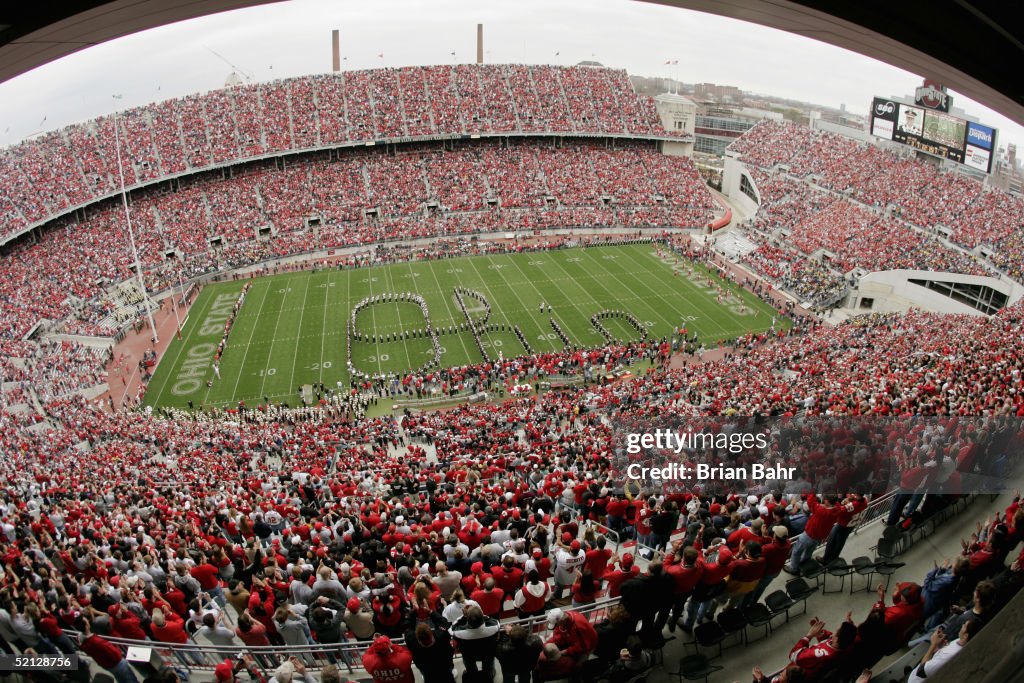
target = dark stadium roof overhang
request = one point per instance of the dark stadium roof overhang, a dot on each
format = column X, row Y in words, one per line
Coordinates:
column 973, row 47
column 34, row 33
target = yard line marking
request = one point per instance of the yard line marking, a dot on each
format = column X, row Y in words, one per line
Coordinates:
column 277, row 324
column 410, row 364
column 245, row 354
column 656, row 310
column 446, row 300
column 711, row 301
column 323, row 327
column 295, row 358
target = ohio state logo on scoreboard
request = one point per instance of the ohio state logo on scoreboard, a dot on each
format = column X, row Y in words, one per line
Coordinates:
column 932, row 95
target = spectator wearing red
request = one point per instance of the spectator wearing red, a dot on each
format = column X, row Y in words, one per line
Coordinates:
column 597, row 558
column 822, row 518
column 775, row 553
column 711, row 583
column 904, row 616
column 532, row 598
column 746, row 533
column 747, row 571
column 541, row 563
column 575, row 638
column 685, row 567
column 848, row 509
column 107, row 655
column 475, row 579
column 490, row 598
column 387, row 662
column 585, row 588
column 507, row 576
column 626, row 570
column 821, row 651
column 168, row 628
column 125, row 624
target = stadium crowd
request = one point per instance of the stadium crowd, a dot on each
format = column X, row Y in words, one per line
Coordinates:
column 270, row 527
column 915, row 193
column 358, row 199
column 74, row 166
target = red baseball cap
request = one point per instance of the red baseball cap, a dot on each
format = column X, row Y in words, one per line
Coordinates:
column 224, row 672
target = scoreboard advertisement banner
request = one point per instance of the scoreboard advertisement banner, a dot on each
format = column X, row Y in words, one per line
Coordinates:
column 934, row 132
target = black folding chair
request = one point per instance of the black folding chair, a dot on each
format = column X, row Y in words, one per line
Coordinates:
column 757, row 615
column 779, row 602
column 798, row 590
column 732, row 621
column 862, row 566
column 839, row 568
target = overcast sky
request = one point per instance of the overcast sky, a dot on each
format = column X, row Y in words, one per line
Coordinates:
column 293, row 38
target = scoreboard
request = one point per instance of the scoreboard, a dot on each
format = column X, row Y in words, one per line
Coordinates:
column 934, row 132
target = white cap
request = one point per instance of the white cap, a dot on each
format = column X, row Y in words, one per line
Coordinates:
column 555, row 616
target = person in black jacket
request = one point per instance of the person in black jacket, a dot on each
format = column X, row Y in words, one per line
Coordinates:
column 326, row 622
column 477, row 638
column 612, row 634
column 518, row 652
column 432, row 653
column 644, row 596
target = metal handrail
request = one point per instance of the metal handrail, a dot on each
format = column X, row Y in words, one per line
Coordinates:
column 195, row 656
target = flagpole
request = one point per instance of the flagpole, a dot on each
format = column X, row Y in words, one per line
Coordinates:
column 131, row 233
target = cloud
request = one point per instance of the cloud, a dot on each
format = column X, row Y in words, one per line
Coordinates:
column 294, row 37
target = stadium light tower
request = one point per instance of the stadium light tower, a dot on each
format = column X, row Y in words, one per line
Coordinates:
column 131, row 233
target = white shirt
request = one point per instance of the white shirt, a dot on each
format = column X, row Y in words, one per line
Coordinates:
column 938, row 660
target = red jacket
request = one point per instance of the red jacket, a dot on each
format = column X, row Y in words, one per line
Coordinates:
column 902, row 618
column 616, row 578
column 684, row 578
column 103, row 652
column 124, row 624
column 597, row 560
column 775, row 555
column 747, row 570
column 173, row 631
column 822, row 519
column 814, row 659
column 577, row 637
column 532, row 597
column 389, row 666
column 715, row 573
column 508, row 580
column 744, row 533
column 207, row 575
column 490, row 601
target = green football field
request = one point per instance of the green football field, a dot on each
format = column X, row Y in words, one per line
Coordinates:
column 291, row 328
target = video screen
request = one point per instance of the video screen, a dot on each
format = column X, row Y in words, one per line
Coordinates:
column 944, row 129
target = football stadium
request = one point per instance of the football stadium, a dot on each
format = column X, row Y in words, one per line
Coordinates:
column 525, row 371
